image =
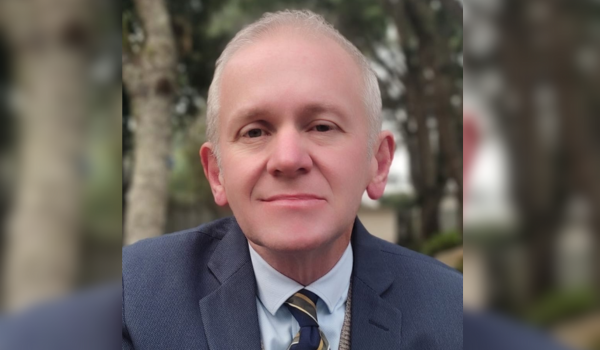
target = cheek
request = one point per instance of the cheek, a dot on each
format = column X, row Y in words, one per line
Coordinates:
column 347, row 168
column 239, row 175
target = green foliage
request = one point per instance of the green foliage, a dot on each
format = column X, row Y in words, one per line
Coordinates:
column 398, row 201
column 440, row 242
column 102, row 196
column 561, row 305
column 187, row 183
column 495, row 236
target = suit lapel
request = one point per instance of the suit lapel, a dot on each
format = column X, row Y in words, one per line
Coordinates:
column 376, row 323
column 229, row 314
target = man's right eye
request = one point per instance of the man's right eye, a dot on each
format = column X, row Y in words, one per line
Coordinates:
column 254, row 133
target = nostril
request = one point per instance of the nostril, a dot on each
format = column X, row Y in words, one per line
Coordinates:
column 289, row 155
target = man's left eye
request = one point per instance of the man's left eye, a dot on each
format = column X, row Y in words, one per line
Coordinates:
column 322, row 128
column 253, row 133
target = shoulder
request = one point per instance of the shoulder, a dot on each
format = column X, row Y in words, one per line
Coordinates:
column 417, row 278
column 428, row 286
column 165, row 277
column 428, row 293
column 419, row 268
column 174, row 247
column 174, row 261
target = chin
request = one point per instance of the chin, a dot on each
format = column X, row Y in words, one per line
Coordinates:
column 303, row 240
column 295, row 246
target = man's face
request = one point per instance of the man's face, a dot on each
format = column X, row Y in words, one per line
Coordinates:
column 293, row 141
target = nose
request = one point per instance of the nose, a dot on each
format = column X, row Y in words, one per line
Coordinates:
column 289, row 156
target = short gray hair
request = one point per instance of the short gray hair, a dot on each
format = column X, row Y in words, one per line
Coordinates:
column 309, row 21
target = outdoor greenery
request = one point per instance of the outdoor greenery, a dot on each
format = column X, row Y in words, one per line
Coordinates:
column 400, row 201
column 558, row 306
column 400, row 38
column 440, row 242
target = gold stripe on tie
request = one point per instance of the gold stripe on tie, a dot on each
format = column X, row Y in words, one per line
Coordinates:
column 295, row 341
column 307, row 299
column 306, row 312
column 303, row 303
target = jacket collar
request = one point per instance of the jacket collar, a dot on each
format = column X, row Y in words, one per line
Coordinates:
column 376, row 324
column 231, row 254
column 229, row 313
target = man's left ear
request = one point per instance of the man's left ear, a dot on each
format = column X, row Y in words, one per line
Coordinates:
column 381, row 162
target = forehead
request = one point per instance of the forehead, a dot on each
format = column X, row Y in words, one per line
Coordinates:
column 291, row 65
column 287, row 44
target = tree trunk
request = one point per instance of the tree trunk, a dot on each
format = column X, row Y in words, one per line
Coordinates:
column 49, row 44
column 430, row 215
column 149, row 78
column 449, row 147
column 537, row 173
column 428, row 93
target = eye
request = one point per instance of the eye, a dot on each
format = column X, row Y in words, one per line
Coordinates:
column 323, row 128
column 253, row 133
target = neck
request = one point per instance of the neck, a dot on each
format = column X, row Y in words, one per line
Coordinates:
column 305, row 267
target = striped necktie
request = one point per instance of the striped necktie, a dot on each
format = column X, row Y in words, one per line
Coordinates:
column 303, row 306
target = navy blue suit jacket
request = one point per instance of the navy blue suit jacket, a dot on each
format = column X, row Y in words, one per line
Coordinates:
column 196, row 290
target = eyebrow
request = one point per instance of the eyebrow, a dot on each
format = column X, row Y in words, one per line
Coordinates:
column 318, row 108
column 251, row 113
column 248, row 114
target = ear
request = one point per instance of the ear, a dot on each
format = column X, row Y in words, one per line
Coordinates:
column 381, row 162
column 213, row 173
column 470, row 143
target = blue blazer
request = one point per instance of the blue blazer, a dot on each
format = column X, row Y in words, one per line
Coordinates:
column 196, row 290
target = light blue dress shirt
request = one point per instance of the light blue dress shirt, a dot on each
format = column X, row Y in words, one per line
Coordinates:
column 277, row 325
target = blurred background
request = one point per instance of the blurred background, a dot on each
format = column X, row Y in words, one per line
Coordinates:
column 60, row 148
column 532, row 157
column 88, row 165
column 416, row 50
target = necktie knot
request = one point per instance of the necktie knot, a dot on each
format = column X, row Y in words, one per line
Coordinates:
column 303, row 306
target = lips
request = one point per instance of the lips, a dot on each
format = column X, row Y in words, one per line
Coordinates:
column 295, row 201
column 293, row 197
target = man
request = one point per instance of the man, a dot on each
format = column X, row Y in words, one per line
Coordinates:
column 295, row 139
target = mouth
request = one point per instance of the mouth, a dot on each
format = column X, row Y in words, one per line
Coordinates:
column 296, row 201
column 293, row 197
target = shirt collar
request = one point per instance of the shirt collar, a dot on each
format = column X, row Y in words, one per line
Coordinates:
column 274, row 288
